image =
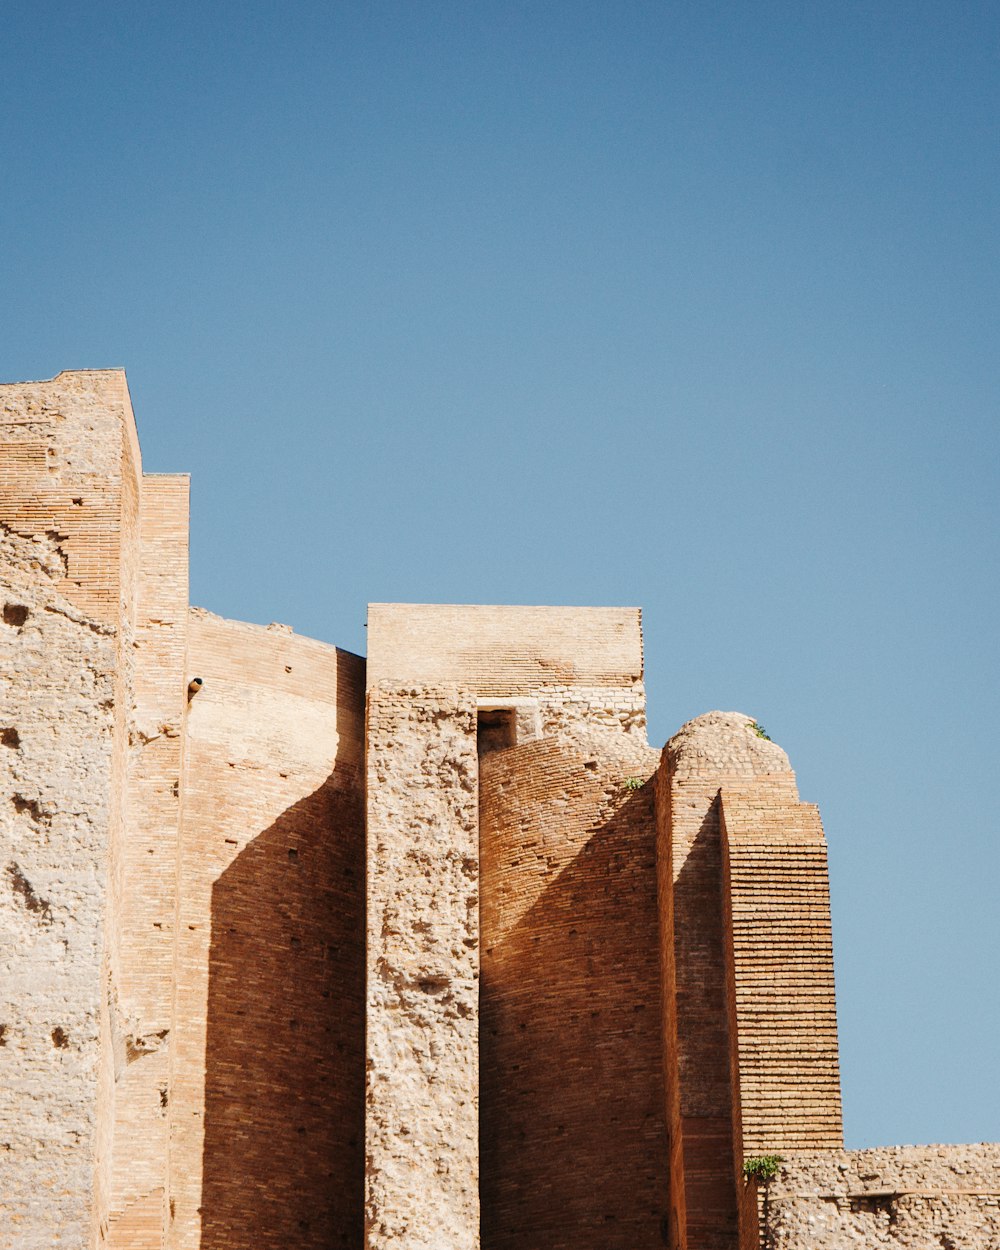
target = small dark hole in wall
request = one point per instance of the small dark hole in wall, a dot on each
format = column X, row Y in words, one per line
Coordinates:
column 60, row 1038
column 10, row 738
column 164, row 1097
column 496, row 729
column 292, row 853
column 78, row 503
column 432, row 985
column 3, row 1035
column 15, row 614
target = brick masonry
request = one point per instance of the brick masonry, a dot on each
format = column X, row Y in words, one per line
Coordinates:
column 572, row 1084
column 430, row 951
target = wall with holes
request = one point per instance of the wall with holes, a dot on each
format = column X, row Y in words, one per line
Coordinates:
column 67, row 563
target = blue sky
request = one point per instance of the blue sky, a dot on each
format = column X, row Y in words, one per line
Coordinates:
column 686, row 305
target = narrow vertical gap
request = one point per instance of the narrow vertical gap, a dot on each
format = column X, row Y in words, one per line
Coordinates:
column 496, row 730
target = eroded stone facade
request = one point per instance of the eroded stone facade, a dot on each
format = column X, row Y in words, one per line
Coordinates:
column 429, row 950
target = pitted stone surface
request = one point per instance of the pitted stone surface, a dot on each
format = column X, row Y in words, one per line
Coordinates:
column 905, row 1197
column 421, row 1141
column 723, row 745
column 68, row 555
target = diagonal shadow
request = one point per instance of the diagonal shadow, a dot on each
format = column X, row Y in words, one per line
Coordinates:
column 284, row 1083
column 703, row 1041
column 573, row 1139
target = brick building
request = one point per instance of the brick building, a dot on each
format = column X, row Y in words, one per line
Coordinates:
column 424, row 950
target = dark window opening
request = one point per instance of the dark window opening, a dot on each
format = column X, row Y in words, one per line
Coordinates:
column 496, row 729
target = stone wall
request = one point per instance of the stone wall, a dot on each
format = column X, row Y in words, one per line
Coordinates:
column 579, row 668
column 779, row 949
column 423, row 969
column 911, row 1197
column 68, row 558
column 187, row 964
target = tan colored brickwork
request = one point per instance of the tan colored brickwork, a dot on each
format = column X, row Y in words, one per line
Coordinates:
column 572, row 1130
column 780, row 952
column 422, row 1182
column 266, row 1048
column 68, row 506
column 145, row 972
column 904, row 1197
column 581, row 668
column 714, row 750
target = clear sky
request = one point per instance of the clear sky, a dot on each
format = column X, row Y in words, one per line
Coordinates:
column 687, row 305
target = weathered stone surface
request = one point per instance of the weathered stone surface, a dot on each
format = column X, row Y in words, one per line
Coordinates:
column 910, row 1197
column 68, row 477
column 421, row 1141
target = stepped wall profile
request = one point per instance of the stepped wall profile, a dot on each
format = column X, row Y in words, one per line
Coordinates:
column 427, row 950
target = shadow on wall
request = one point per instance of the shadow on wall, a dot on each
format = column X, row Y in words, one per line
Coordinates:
column 573, row 1138
column 703, row 1041
column 284, row 1086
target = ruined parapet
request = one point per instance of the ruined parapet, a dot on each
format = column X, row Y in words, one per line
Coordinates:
column 896, row 1196
column 561, row 672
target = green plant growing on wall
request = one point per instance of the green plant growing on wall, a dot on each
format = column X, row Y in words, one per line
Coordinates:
column 762, row 1168
column 759, row 730
column 633, row 783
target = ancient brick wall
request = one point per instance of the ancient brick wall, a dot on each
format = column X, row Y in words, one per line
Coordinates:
column 69, row 483
column 266, row 1046
column 917, row 1197
column 585, row 1005
column 702, row 1013
column 573, row 1147
column 144, row 984
column 423, row 969
column 783, row 1015
column 579, row 668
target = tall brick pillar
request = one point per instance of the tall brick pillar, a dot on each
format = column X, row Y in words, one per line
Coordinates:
column 751, row 1055
column 422, row 1125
